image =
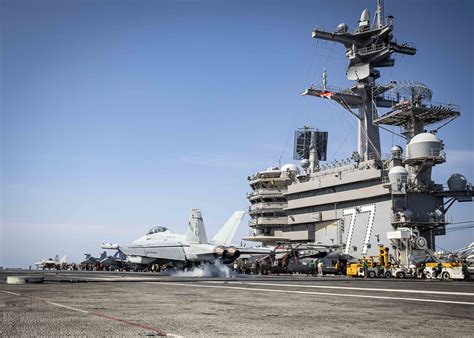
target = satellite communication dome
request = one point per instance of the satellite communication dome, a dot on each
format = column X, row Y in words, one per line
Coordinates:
column 342, row 28
column 424, row 137
column 290, row 167
column 424, row 145
column 396, row 150
column 304, row 163
column 397, row 176
column 457, row 182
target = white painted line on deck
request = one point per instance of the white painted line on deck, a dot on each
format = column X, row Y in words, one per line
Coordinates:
column 314, row 293
column 67, row 307
column 11, row 293
column 129, row 323
column 431, row 292
column 84, row 276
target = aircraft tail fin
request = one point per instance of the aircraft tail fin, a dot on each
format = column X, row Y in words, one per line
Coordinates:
column 56, row 258
column 227, row 232
column 103, row 255
column 63, row 260
column 196, row 231
column 120, row 255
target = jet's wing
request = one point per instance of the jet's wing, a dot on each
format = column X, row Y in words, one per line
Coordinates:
column 225, row 235
column 172, row 252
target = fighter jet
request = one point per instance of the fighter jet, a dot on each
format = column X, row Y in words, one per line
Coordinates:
column 161, row 245
column 50, row 263
column 115, row 261
column 94, row 260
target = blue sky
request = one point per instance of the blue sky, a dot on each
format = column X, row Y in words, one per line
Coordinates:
column 120, row 115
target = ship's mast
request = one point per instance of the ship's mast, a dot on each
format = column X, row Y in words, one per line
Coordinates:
column 379, row 14
column 368, row 48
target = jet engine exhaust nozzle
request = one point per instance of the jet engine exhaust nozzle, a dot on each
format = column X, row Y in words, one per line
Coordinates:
column 221, row 251
column 233, row 252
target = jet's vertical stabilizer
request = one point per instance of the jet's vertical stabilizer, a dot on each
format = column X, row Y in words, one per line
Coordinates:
column 227, row 232
column 196, row 232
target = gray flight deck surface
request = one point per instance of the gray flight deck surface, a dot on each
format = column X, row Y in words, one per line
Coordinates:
column 149, row 304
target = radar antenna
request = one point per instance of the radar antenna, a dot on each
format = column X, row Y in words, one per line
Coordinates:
column 367, row 48
column 413, row 111
column 412, row 90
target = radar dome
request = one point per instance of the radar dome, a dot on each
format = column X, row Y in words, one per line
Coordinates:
column 364, row 18
column 304, row 163
column 396, row 151
column 424, row 145
column 457, row 182
column 397, row 176
column 424, row 137
column 290, row 167
column 342, row 28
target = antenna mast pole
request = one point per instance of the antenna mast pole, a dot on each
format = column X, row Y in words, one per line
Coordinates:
column 367, row 48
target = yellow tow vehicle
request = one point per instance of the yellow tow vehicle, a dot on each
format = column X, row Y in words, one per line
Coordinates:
column 443, row 270
column 376, row 266
column 356, row 269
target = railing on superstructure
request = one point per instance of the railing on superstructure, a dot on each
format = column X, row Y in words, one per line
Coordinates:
column 266, row 192
column 367, row 50
column 416, row 220
column 350, row 164
column 261, row 221
column 430, row 112
column 435, row 154
column 398, row 102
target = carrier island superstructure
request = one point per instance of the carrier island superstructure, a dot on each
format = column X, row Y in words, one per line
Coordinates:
column 368, row 201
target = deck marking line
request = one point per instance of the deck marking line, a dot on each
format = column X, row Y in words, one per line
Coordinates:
column 349, row 288
column 160, row 332
column 64, row 306
column 11, row 293
column 317, row 293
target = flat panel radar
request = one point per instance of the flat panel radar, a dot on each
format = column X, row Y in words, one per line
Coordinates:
column 305, row 139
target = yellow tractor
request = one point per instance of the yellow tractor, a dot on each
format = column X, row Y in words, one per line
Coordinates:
column 443, row 270
column 376, row 266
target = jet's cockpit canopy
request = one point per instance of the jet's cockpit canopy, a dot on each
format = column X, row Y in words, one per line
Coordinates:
column 156, row 230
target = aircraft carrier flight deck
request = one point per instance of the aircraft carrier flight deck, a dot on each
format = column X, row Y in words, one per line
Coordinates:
column 102, row 303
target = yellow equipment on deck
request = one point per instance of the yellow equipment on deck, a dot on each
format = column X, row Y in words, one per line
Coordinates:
column 356, row 270
column 447, row 265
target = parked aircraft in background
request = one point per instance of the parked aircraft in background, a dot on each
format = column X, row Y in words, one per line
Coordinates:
column 94, row 260
column 50, row 263
column 115, row 261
